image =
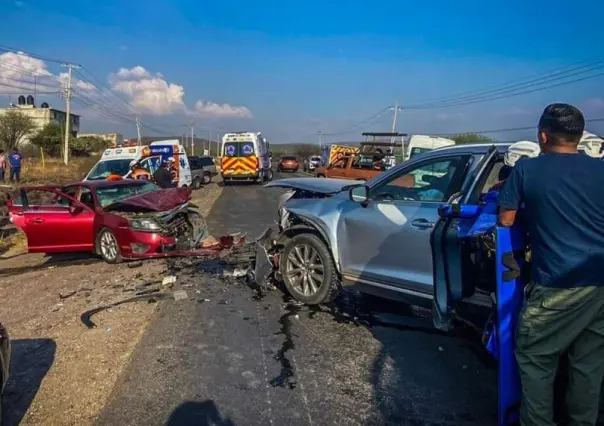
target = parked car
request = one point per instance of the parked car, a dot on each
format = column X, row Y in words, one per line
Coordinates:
column 311, row 163
column 202, row 170
column 118, row 220
column 374, row 235
column 288, row 163
column 5, row 352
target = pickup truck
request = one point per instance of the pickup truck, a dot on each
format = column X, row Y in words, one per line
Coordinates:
column 202, row 170
column 423, row 232
column 350, row 167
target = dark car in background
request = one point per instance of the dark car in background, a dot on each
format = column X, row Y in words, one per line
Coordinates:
column 288, row 163
column 202, row 170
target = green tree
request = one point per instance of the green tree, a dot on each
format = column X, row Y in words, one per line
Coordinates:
column 50, row 138
column 14, row 126
column 89, row 144
column 466, row 138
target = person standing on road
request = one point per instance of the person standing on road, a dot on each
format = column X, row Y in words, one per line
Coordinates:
column 563, row 200
column 2, row 165
column 162, row 175
column 16, row 161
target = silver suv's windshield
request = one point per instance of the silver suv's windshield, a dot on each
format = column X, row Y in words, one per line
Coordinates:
column 102, row 169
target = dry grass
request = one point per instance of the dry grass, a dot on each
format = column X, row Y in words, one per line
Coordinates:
column 54, row 171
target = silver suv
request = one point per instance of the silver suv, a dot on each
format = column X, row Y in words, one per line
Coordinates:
column 374, row 236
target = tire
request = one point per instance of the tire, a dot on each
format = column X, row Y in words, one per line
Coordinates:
column 106, row 237
column 320, row 176
column 207, row 178
column 312, row 290
column 196, row 183
column 269, row 175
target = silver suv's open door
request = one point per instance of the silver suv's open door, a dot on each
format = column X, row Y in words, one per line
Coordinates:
column 447, row 248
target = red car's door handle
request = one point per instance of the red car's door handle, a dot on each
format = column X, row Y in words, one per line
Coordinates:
column 37, row 220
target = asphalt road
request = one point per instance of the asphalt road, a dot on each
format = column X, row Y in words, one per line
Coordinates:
column 224, row 357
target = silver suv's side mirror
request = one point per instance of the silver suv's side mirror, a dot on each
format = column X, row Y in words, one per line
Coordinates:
column 359, row 194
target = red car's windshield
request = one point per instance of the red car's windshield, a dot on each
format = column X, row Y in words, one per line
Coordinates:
column 110, row 194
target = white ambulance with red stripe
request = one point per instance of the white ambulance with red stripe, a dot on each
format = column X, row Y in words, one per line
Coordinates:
column 245, row 156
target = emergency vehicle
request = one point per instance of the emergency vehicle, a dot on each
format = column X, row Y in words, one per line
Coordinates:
column 592, row 145
column 332, row 152
column 245, row 156
column 418, row 144
column 150, row 157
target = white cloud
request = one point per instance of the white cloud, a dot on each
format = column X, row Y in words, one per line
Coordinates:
column 20, row 73
column 19, row 4
column 222, row 111
column 150, row 93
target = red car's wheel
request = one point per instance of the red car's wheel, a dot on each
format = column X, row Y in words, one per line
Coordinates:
column 108, row 247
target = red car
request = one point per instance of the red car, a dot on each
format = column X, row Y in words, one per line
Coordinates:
column 118, row 220
column 289, row 163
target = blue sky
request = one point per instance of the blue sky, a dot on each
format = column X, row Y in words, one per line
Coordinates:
column 319, row 64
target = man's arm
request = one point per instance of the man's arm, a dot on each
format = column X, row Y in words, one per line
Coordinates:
column 511, row 197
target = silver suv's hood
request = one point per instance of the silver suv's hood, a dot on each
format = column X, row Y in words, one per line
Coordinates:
column 317, row 185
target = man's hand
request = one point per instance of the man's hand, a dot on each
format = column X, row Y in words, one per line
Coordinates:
column 507, row 217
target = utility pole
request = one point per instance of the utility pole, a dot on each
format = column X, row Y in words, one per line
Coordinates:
column 67, row 111
column 396, row 110
column 138, row 131
column 320, row 140
column 192, row 139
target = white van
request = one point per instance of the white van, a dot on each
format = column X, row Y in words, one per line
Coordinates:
column 245, row 156
column 150, row 157
column 418, row 144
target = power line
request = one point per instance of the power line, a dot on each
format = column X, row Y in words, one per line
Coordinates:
column 366, row 122
column 513, row 83
column 508, row 129
column 514, row 91
column 43, row 58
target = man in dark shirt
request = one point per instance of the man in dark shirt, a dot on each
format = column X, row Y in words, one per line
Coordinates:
column 162, row 176
column 563, row 198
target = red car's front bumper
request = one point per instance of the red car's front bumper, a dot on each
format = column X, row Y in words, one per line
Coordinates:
column 147, row 245
column 137, row 244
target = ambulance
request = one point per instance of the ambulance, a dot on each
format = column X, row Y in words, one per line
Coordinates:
column 245, row 156
column 332, row 152
column 150, row 157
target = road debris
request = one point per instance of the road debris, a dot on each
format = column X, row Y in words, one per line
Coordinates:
column 171, row 279
column 67, row 294
column 133, row 265
column 180, row 295
column 85, row 317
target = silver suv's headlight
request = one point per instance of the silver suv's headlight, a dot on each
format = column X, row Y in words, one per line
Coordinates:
column 145, row 225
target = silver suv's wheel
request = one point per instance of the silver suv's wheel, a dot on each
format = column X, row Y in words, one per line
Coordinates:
column 108, row 247
column 308, row 270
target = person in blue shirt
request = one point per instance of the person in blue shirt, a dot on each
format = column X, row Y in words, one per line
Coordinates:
column 15, row 160
column 563, row 201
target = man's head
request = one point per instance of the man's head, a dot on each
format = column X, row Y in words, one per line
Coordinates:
column 15, row 150
column 560, row 128
column 1, row 151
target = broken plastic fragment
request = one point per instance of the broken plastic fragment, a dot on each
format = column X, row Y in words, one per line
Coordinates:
column 170, row 279
column 180, row 295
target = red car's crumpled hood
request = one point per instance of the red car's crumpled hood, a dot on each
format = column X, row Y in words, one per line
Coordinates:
column 156, row 201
